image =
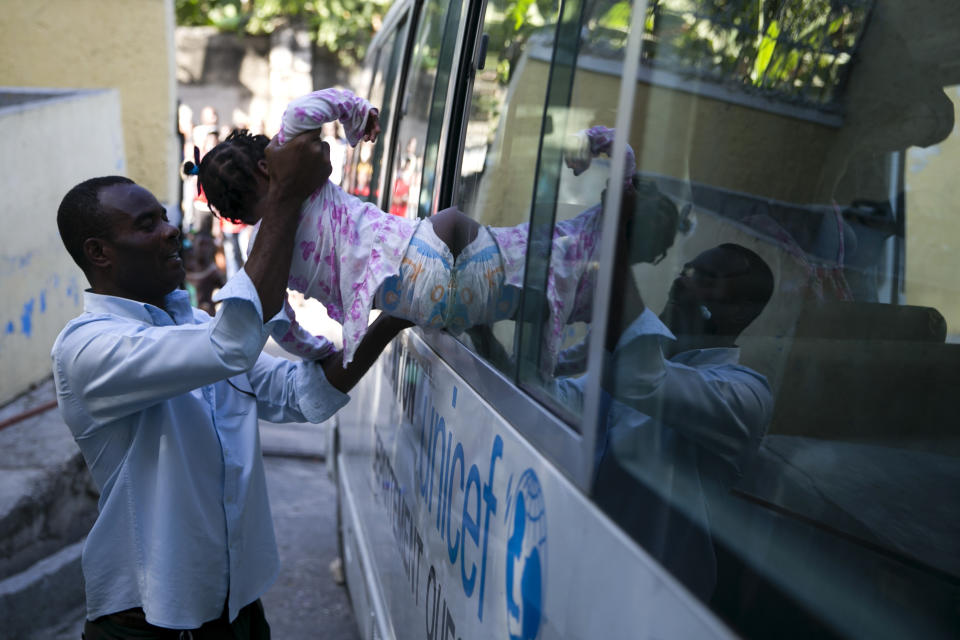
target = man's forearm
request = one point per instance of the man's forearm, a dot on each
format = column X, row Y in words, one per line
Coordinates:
column 269, row 263
column 378, row 336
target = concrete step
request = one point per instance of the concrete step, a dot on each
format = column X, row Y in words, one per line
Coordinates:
column 47, row 498
column 46, row 599
column 47, row 505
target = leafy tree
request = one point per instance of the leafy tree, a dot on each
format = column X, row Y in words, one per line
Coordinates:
column 797, row 49
column 343, row 27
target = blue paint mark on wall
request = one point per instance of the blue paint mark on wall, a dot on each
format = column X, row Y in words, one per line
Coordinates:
column 43, row 302
column 26, row 318
column 10, row 328
column 73, row 291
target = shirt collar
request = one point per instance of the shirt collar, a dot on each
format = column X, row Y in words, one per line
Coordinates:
column 176, row 309
column 648, row 324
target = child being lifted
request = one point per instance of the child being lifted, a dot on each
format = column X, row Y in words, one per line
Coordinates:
column 445, row 271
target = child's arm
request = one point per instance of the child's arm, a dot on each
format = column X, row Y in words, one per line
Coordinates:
column 358, row 117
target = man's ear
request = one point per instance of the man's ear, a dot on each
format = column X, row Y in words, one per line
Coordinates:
column 97, row 252
column 262, row 166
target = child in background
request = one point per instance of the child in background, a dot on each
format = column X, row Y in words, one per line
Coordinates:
column 203, row 275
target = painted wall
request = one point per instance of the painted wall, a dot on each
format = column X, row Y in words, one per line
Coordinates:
column 933, row 224
column 104, row 44
column 71, row 136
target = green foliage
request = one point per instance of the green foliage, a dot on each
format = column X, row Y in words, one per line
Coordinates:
column 509, row 23
column 793, row 47
column 344, row 27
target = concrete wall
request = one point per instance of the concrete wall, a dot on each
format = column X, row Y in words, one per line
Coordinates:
column 122, row 44
column 933, row 225
column 52, row 141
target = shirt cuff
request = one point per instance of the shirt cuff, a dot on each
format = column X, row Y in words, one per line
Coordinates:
column 317, row 399
column 241, row 287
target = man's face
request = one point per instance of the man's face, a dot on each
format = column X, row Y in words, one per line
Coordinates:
column 143, row 251
column 706, row 298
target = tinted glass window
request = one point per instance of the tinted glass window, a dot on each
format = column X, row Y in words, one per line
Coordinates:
column 502, row 138
column 423, row 102
column 573, row 177
column 363, row 178
column 777, row 426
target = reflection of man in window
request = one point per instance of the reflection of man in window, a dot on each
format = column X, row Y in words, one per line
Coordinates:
column 683, row 416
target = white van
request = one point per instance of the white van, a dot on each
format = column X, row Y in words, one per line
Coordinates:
column 773, row 455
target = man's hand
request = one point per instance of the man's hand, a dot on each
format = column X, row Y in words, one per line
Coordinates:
column 372, row 130
column 294, row 168
column 576, row 152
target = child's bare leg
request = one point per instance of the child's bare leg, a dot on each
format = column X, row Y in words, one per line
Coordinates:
column 455, row 228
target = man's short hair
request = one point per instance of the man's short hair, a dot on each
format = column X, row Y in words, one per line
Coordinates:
column 759, row 271
column 80, row 216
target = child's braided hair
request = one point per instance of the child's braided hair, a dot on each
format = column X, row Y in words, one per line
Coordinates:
column 227, row 173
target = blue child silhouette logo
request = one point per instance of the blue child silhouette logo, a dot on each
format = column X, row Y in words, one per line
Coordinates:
column 526, row 558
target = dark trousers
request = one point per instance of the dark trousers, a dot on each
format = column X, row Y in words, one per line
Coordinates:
column 132, row 624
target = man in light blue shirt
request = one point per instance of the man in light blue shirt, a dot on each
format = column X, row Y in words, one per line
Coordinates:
column 684, row 418
column 164, row 401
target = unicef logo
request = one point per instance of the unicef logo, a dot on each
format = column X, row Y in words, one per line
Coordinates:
column 526, row 558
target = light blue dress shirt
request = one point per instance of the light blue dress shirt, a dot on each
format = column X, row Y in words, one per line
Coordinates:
column 682, row 428
column 164, row 406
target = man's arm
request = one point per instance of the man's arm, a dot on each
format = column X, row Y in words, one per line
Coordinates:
column 313, row 390
column 378, row 336
column 723, row 409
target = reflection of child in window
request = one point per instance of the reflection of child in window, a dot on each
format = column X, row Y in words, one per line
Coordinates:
column 445, row 271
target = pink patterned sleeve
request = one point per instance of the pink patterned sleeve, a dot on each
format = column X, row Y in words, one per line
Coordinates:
column 326, row 105
column 300, row 342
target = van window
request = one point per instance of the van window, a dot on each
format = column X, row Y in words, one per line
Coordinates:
column 502, row 136
column 777, row 426
column 424, row 100
column 582, row 73
column 364, row 177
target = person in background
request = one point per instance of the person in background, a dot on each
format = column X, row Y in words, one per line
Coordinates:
column 203, row 276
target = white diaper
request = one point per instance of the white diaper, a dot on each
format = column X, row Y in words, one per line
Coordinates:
column 434, row 290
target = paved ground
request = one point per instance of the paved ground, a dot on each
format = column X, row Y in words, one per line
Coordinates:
column 305, row 602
